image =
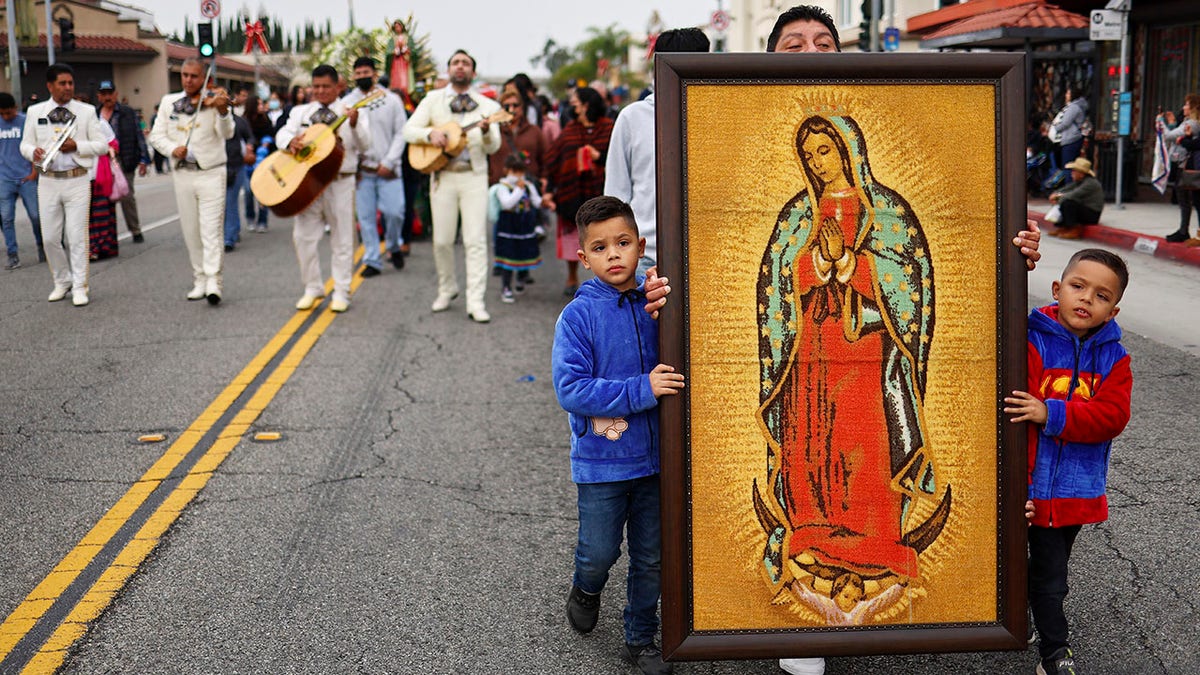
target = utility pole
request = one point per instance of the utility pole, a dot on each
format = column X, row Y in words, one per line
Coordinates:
column 14, row 55
column 876, row 15
column 49, row 35
column 1122, row 6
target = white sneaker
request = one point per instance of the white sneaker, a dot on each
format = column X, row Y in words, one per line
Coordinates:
column 803, row 666
column 442, row 303
column 480, row 316
column 339, row 305
column 506, row 296
column 79, row 298
column 307, row 301
column 197, row 292
column 58, row 293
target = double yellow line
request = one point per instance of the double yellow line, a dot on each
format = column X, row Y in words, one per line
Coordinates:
column 80, row 587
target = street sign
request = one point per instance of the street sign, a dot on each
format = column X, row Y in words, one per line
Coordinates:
column 1106, row 25
column 891, row 40
column 720, row 20
column 210, row 9
column 1124, row 112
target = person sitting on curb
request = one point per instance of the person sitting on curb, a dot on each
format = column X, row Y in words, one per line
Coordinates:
column 1080, row 201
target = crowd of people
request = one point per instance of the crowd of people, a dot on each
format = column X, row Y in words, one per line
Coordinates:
column 511, row 171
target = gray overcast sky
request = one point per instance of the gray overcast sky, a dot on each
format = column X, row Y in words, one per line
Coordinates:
column 501, row 35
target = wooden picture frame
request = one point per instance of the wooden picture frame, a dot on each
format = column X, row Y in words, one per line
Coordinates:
column 782, row 480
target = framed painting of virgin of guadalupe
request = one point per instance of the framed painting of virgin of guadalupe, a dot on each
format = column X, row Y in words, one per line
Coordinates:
column 848, row 310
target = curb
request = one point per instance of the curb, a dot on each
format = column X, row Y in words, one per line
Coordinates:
column 1129, row 240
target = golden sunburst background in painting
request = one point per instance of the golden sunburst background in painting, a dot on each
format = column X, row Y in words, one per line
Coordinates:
column 936, row 146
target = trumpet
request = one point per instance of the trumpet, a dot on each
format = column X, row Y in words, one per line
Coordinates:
column 52, row 152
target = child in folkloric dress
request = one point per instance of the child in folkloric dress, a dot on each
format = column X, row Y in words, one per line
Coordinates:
column 514, row 202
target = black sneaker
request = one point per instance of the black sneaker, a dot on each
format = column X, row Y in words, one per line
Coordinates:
column 138, row 238
column 368, row 272
column 1061, row 662
column 648, row 659
column 398, row 260
column 582, row 609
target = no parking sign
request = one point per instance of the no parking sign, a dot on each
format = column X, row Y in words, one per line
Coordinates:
column 210, row 9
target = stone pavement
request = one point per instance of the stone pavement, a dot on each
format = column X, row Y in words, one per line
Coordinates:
column 1138, row 226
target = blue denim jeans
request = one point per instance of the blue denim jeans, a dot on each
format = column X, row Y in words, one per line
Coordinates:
column 233, row 220
column 255, row 212
column 605, row 509
column 9, row 191
column 385, row 195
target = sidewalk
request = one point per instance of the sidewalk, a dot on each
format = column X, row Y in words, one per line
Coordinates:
column 1139, row 226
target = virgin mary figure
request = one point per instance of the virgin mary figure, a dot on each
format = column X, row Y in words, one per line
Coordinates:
column 399, row 66
column 846, row 321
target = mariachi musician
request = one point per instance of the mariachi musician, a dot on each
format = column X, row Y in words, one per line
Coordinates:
column 335, row 205
column 461, row 188
column 191, row 128
column 67, row 133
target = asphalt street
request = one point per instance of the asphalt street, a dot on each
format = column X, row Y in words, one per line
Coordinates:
column 417, row 515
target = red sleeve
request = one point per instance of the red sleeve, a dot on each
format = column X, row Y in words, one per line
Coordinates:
column 1102, row 417
column 1033, row 366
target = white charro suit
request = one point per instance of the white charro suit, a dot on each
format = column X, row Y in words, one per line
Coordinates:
column 335, row 205
column 199, row 184
column 65, row 190
column 459, row 188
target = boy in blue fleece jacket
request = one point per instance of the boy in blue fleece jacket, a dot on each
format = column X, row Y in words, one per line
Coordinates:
column 1078, row 401
column 608, row 378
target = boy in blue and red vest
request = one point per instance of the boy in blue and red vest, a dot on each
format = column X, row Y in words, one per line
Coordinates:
column 1078, row 402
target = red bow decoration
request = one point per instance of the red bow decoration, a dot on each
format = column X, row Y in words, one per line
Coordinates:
column 255, row 36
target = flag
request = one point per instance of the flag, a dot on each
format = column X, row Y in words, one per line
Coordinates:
column 1162, row 166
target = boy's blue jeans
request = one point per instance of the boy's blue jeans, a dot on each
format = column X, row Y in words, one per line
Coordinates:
column 605, row 509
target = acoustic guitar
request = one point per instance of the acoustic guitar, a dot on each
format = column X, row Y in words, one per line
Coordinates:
column 428, row 158
column 288, row 182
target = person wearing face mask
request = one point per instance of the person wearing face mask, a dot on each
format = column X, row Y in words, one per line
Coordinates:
column 380, row 187
column 275, row 110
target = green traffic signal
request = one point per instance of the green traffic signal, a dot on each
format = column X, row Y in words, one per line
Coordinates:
column 204, row 39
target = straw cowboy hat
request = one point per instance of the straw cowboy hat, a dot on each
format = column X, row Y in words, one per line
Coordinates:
column 1081, row 164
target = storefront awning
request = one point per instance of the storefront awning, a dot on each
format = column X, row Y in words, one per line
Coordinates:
column 1007, row 27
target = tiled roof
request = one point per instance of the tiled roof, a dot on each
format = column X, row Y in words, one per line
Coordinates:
column 94, row 43
column 1030, row 15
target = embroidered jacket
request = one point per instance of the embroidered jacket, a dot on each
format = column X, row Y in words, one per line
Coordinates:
column 1086, row 385
column 605, row 345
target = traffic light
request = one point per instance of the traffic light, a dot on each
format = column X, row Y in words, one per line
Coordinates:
column 204, row 33
column 66, row 34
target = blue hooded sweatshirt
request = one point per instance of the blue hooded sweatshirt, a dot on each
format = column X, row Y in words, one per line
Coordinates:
column 605, row 345
column 1086, row 385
